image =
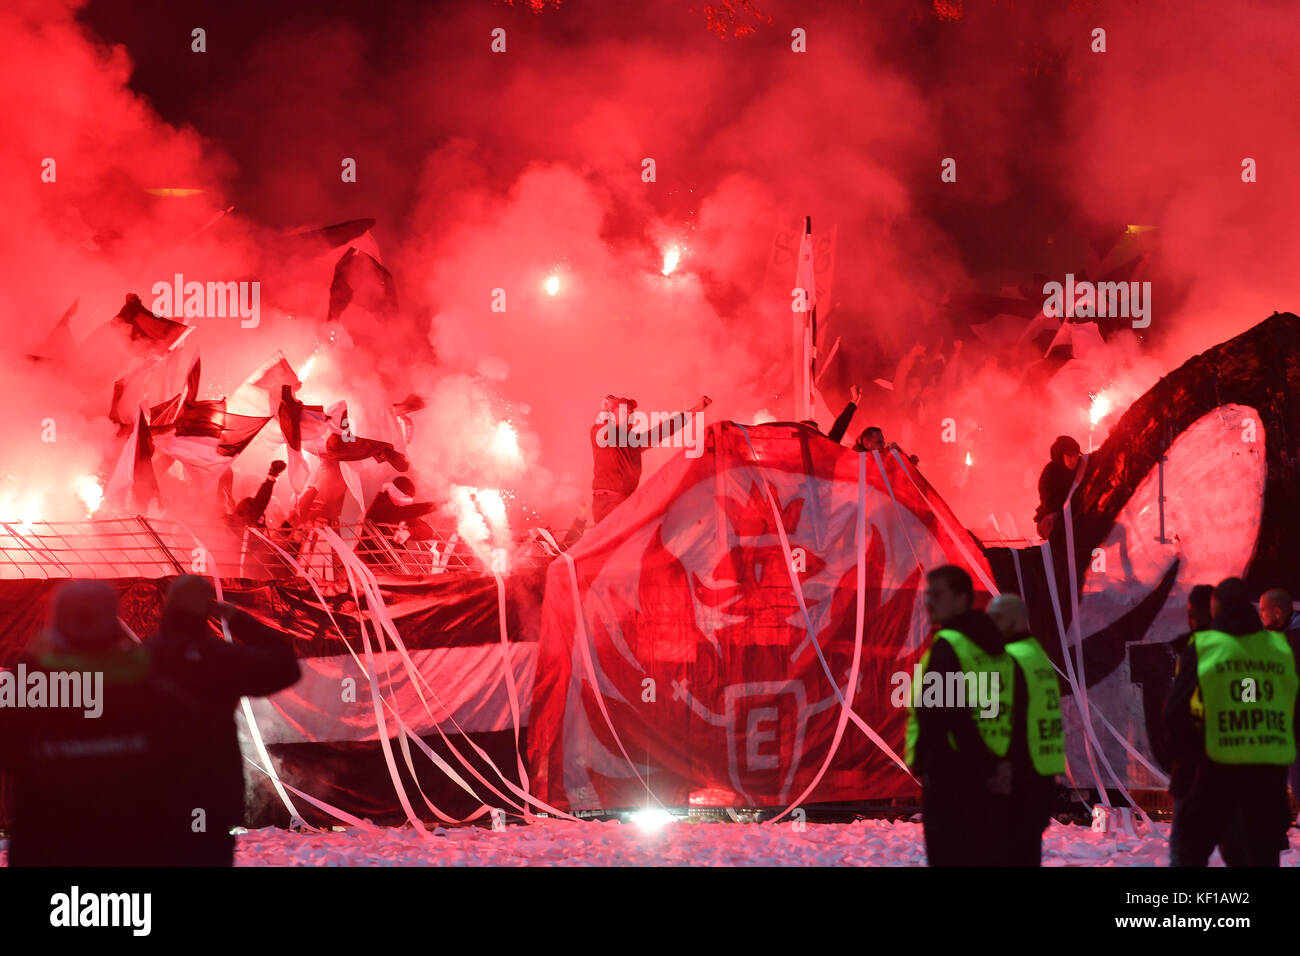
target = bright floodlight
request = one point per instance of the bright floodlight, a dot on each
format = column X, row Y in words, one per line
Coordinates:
column 651, row 818
column 671, row 257
column 552, row 285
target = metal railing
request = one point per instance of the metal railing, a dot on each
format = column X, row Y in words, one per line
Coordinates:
column 149, row 547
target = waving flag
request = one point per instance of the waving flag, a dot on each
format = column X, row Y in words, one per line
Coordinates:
column 149, row 333
column 133, row 483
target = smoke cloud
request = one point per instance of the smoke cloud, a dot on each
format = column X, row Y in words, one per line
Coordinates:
column 491, row 173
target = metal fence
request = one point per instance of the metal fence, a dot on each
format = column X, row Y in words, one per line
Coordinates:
column 147, row 547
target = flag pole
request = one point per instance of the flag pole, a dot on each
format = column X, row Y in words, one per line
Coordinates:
column 810, row 356
column 805, row 354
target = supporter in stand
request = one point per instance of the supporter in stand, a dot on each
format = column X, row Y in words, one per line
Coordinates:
column 395, row 504
column 841, row 424
column 616, row 458
column 1054, row 485
column 251, row 511
column 873, row 439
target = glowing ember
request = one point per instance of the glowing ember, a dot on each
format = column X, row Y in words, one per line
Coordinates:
column 1101, row 407
column 89, row 491
column 672, row 255
column 552, row 285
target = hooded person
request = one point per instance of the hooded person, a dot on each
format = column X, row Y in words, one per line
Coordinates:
column 959, row 728
column 1054, row 484
column 89, row 759
column 396, row 503
column 213, row 674
column 1231, row 718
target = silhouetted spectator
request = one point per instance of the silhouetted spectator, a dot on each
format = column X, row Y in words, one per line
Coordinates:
column 89, row 780
column 214, row 674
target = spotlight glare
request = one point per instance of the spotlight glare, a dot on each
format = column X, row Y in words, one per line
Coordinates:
column 651, row 818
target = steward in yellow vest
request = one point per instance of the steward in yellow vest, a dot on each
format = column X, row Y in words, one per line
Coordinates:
column 1037, row 738
column 959, row 728
column 1231, row 714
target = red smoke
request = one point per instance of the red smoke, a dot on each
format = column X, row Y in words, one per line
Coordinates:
column 496, row 171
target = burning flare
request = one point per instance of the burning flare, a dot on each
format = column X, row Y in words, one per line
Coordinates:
column 90, row 491
column 552, row 285
column 1102, row 405
column 672, row 255
column 505, row 443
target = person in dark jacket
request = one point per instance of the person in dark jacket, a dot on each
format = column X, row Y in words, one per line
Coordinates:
column 965, row 787
column 1155, row 664
column 1275, row 611
column 251, row 511
column 396, row 503
column 616, row 457
column 214, row 674
column 89, row 780
column 1199, row 616
column 1054, row 484
column 1032, row 794
column 840, row 427
column 872, row 438
column 1241, row 807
